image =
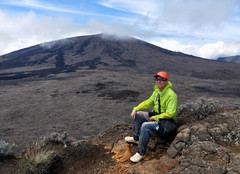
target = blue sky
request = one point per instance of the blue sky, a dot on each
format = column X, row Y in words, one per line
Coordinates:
column 205, row 28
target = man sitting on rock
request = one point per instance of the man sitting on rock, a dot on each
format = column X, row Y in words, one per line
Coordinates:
column 165, row 104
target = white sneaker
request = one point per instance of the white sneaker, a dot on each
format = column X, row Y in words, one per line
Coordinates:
column 130, row 140
column 136, row 158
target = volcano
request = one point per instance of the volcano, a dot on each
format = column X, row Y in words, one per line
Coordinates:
column 108, row 53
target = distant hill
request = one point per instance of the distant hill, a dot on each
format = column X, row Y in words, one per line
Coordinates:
column 109, row 53
column 235, row 59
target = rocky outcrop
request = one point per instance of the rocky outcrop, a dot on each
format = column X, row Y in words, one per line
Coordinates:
column 206, row 146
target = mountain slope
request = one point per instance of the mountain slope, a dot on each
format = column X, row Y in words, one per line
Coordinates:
column 235, row 59
column 107, row 52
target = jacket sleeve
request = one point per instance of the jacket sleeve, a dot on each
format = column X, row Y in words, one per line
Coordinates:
column 171, row 109
column 145, row 104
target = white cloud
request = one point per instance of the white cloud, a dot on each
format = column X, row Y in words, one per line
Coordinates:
column 175, row 21
column 178, row 12
column 36, row 4
column 197, row 13
column 220, row 49
column 109, row 28
column 141, row 7
column 27, row 29
column 181, row 18
column 210, row 50
column 40, row 5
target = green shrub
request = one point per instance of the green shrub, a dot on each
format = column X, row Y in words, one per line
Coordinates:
column 41, row 162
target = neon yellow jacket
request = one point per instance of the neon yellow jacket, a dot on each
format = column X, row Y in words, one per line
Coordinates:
column 169, row 103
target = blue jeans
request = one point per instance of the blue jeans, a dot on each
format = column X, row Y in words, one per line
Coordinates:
column 142, row 129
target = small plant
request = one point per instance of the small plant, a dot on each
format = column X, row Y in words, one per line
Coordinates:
column 40, row 162
column 55, row 137
column 6, row 149
column 199, row 109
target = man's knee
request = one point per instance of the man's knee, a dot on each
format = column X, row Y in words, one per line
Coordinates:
column 148, row 126
column 142, row 116
column 137, row 114
column 142, row 113
column 137, row 118
column 145, row 126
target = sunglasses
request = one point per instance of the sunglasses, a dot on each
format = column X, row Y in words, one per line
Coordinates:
column 161, row 79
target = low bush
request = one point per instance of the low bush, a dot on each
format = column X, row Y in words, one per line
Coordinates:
column 6, row 149
column 41, row 162
column 55, row 137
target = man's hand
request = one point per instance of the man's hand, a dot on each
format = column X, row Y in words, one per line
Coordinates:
column 152, row 118
column 133, row 114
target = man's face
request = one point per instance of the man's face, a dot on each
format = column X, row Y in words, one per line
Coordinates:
column 161, row 83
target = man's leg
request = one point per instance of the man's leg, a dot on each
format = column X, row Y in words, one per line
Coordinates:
column 145, row 134
column 140, row 118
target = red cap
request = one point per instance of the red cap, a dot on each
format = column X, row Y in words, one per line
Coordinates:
column 162, row 74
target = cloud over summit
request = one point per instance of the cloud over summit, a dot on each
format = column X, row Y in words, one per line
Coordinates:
column 193, row 27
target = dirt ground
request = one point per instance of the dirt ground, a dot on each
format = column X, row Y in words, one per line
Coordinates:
column 91, row 156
